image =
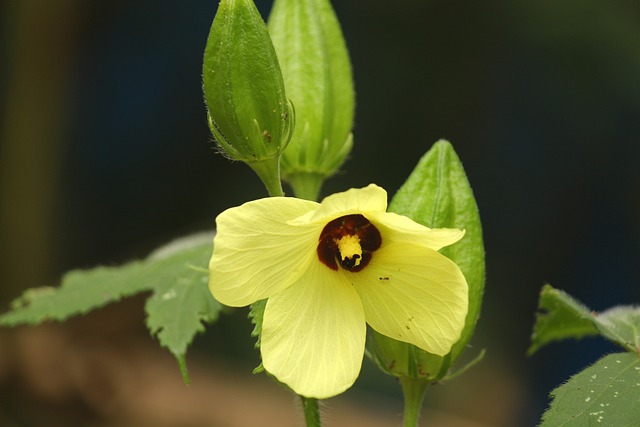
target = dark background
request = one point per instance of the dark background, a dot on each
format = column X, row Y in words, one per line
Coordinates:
column 105, row 154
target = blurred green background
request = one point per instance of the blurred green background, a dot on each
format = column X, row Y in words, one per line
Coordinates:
column 105, row 154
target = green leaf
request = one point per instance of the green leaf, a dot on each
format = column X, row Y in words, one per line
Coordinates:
column 256, row 314
column 81, row 291
column 560, row 317
column 176, row 274
column 317, row 74
column 437, row 194
column 606, row 393
column 622, row 326
column 180, row 304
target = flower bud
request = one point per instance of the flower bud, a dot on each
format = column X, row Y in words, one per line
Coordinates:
column 437, row 194
column 249, row 114
column 401, row 359
column 317, row 75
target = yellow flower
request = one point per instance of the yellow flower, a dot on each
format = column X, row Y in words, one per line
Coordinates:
column 329, row 268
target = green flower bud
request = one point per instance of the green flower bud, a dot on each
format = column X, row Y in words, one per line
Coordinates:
column 317, row 75
column 249, row 114
column 401, row 359
column 437, row 194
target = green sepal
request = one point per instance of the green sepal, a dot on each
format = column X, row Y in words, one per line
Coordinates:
column 561, row 317
column 437, row 194
column 401, row 359
column 318, row 79
column 249, row 114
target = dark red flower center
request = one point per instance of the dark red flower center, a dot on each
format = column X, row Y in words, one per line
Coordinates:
column 349, row 242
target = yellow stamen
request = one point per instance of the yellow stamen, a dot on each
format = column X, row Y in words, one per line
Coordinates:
column 349, row 248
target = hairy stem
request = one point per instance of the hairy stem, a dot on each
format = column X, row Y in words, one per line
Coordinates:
column 413, row 390
column 311, row 412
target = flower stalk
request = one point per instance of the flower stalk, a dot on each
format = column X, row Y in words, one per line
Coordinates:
column 413, row 390
column 268, row 171
column 306, row 185
column 311, row 412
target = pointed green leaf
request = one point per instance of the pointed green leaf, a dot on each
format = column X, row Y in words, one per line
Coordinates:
column 606, row 393
column 81, row 291
column 622, row 326
column 560, row 317
column 182, row 302
column 176, row 274
column 256, row 314
column 317, row 74
column 437, row 194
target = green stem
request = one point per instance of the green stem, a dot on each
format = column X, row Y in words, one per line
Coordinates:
column 311, row 412
column 305, row 185
column 413, row 390
column 269, row 172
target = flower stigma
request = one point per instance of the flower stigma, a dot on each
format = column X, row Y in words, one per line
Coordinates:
column 348, row 242
column 350, row 250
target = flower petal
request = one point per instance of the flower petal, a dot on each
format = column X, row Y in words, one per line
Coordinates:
column 356, row 200
column 414, row 294
column 400, row 228
column 256, row 253
column 313, row 334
